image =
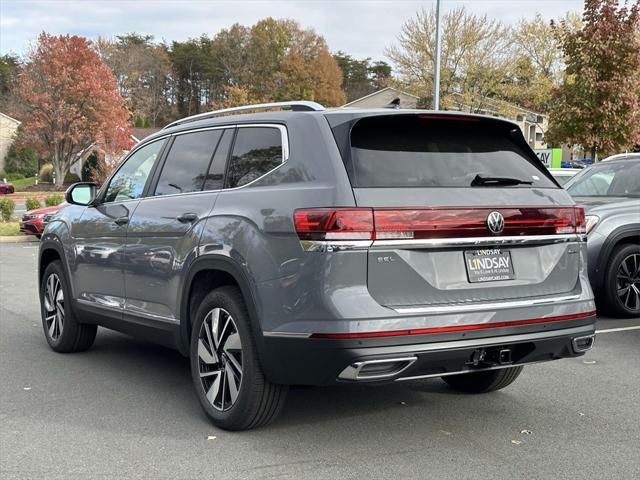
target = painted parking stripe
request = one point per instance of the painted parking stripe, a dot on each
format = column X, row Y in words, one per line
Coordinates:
column 621, row 329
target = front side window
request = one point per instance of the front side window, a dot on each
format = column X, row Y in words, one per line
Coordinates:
column 187, row 163
column 257, row 151
column 129, row 181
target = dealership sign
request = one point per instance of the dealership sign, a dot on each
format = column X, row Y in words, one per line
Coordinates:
column 551, row 157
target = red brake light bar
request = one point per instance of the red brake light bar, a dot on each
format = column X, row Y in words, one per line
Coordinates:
column 449, row 329
column 426, row 223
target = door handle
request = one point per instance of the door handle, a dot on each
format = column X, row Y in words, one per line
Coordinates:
column 187, row 218
column 121, row 221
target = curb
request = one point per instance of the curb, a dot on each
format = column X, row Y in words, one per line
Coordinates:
column 18, row 239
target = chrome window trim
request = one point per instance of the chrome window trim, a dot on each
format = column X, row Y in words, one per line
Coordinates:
column 285, row 155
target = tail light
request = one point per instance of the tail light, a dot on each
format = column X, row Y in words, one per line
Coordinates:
column 334, row 224
column 429, row 223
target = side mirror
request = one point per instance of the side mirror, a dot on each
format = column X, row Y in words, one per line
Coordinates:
column 81, row 193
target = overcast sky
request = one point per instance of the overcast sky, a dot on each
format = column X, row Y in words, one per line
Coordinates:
column 359, row 27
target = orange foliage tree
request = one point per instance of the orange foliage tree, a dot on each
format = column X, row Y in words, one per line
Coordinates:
column 68, row 103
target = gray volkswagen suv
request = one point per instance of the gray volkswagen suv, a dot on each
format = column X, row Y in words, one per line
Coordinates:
column 286, row 244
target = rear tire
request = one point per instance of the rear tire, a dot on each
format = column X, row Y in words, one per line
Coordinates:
column 225, row 368
column 621, row 289
column 483, row 382
column 62, row 330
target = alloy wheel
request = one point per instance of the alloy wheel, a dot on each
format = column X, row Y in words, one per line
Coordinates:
column 220, row 359
column 54, row 306
column 628, row 282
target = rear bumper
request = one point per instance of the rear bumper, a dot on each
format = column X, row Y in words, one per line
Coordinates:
column 310, row 361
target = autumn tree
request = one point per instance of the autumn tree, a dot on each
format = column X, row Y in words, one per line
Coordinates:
column 143, row 72
column 474, row 60
column 536, row 64
column 9, row 67
column 68, row 102
column 286, row 62
column 597, row 105
column 362, row 77
column 193, row 68
column 273, row 60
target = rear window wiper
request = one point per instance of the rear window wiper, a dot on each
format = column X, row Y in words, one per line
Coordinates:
column 486, row 181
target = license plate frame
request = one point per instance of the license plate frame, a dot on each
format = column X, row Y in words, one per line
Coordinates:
column 488, row 265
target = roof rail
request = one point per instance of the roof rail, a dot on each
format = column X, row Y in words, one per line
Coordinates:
column 296, row 106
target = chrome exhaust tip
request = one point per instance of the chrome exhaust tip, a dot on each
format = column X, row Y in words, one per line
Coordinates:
column 376, row 369
column 583, row 344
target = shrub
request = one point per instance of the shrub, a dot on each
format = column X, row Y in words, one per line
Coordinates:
column 71, row 178
column 7, row 206
column 21, row 160
column 32, row 203
column 46, row 173
column 53, row 199
column 14, row 176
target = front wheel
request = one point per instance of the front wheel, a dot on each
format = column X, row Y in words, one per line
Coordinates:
column 225, row 368
column 483, row 382
column 622, row 282
column 62, row 330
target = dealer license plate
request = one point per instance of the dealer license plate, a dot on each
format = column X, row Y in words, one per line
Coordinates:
column 488, row 265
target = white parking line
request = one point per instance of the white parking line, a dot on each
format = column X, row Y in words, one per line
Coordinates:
column 621, row 329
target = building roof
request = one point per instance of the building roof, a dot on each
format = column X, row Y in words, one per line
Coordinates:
column 379, row 92
column 17, row 122
column 142, row 133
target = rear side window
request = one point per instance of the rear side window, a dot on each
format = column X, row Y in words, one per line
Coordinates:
column 215, row 176
column 415, row 151
column 256, row 151
column 187, row 163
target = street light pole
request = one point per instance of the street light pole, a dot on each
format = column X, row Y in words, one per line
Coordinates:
column 436, row 63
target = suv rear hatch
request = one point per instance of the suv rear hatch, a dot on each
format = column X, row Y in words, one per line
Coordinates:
column 462, row 211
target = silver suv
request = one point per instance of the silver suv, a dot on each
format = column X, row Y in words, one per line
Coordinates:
column 305, row 246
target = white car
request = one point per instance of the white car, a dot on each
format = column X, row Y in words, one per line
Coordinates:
column 562, row 175
column 622, row 156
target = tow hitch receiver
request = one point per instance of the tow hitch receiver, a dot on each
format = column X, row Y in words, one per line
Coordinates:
column 490, row 356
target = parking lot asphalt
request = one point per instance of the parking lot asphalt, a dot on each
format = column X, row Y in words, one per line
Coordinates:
column 126, row 409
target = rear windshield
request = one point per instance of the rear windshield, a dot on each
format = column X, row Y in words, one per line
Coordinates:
column 417, row 151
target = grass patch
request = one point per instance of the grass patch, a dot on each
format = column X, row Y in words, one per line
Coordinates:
column 23, row 183
column 9, row 228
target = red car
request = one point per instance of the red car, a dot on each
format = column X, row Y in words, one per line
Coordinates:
column 6, row 187
column 34, row 221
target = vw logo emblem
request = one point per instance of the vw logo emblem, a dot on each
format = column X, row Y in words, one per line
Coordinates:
column 495, row 222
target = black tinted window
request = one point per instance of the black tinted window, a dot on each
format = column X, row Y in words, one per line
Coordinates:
column 215, row 177
column 411, row 151
column 256, row 151
column 187, row 162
